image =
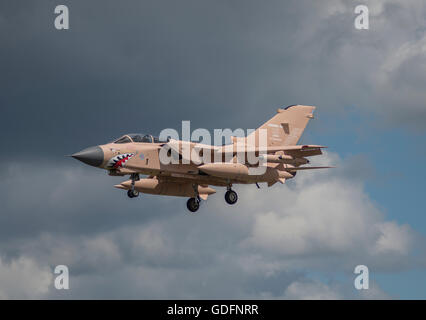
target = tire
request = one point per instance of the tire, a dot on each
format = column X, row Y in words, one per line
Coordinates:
column 135, row 193
column 132, row 193
column 193, row 204
column 231, row 197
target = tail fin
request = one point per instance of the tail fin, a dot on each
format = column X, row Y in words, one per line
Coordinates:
column 287, row 126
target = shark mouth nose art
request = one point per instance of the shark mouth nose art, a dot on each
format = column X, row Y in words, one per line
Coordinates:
column 119, row 160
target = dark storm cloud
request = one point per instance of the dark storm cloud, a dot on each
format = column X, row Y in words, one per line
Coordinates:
column 48, row 202
column 145, row 66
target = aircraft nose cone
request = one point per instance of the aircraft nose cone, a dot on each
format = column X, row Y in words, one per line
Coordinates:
column 93, row 156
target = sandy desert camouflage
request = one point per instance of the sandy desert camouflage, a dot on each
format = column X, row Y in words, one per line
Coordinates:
column 187, row 173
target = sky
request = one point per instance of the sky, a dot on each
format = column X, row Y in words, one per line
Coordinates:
column 143, row 66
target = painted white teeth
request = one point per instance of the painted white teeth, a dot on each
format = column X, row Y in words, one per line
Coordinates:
column 120, row 159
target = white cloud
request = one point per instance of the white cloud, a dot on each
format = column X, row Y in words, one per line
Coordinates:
column 24, row 278
column 394, row 239
column 311, row 290
column 327, row 214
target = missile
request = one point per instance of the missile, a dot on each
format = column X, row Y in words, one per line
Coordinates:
column 283, row 159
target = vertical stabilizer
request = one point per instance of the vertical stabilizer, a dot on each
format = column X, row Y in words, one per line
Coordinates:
column 286, row 127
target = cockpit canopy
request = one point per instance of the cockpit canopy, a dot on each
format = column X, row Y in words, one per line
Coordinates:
column 137, row 137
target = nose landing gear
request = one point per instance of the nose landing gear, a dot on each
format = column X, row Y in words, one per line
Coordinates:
column 132, row 193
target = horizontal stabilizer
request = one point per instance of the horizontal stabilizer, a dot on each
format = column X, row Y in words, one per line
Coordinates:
column 302, row 150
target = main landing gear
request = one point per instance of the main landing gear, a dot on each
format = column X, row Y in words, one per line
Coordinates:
column 193, row 204
column 231, row 196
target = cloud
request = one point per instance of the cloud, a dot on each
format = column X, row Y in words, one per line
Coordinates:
column 311, row 291
column 394, row 239
column 329, row 217
column 169, row 58
column 266, row 246
column 24, row 278
column 308, row 289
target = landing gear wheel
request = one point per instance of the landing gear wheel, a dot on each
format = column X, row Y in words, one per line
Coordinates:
column 132, row 193
column 193, row 204
column 231, row 197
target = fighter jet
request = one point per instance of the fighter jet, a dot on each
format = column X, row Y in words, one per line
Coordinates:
column 137, row 155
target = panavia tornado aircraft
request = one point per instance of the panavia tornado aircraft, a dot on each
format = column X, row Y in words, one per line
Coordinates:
column 136, row 154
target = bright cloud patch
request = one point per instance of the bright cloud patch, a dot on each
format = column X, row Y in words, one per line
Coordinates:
column 24, row 278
